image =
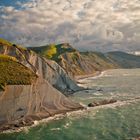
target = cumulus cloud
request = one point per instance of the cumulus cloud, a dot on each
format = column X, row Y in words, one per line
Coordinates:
column 92, row 24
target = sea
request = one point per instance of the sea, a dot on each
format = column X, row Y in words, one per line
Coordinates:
column 118, row 121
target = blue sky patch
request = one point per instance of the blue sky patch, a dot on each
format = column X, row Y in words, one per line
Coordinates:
column 13, row 3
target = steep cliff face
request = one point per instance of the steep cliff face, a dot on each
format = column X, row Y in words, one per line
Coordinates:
column 77, row 63
column 38, row 100
column 124, row 60
column 74, row 62
column 50, row 70
column 14, row 73
column 59, row 78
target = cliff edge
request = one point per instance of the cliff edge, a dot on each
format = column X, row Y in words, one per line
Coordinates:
column 20, row 103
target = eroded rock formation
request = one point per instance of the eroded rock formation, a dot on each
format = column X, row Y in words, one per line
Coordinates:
column 49, row 69
column 40, row 99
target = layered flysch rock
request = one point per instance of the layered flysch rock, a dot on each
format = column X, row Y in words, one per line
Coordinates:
column 50, row 70
column 34, row 101
column 75, row 63
column 40, row 99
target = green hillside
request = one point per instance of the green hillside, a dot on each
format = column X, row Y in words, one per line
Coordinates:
column 74, row 62
column 14, row 73
column 80, row 63
column 6, row 43
column 124, row 60
column 53, row 51
column 100, row 61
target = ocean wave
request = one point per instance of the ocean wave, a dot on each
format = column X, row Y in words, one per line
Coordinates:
column 67, row 125
column 55, row 129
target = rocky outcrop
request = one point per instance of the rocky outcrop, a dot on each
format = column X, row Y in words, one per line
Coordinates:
column 57, row 76
column 36, row 101
column 50, row 70
column 24, row 103
column 75, row 63
column 104, row 102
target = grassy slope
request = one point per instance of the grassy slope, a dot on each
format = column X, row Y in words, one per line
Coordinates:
column 53, row 51
column 14, row 73
column 4, row 42
column 101, row 62
column 80, row 63
column 72, row 61
column 11, row 71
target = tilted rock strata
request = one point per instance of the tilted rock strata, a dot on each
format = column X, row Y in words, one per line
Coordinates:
column 49, row 69
column 38, row 100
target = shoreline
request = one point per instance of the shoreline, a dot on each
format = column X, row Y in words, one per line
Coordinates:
column 39, row 122
column 79, row 112
column 56, row 116
column 71, row 113
column 80, row 77
column 95, row 75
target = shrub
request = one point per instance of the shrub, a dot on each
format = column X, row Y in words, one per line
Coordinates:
column 14, row 73
column 50, row 51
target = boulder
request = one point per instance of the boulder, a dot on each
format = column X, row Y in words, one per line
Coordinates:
column 103, row 102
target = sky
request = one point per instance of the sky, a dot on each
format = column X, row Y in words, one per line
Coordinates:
column 96, row 25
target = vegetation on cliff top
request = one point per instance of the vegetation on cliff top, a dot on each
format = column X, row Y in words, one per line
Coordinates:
column 53, row 51
column 14, row 73
column 73, row 61
column 4, row 42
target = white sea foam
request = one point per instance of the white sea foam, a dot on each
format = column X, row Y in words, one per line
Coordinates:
column 94, row 110
column 55, row 129
column 97, row 93
column 77, row 114
column 67, row 125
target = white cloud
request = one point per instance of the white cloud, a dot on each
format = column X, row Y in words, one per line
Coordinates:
column 76, row 21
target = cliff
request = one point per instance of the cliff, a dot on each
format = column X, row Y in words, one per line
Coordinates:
column 124, row 60
column 22, row 103
column 75, row 63
column 50, row 70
